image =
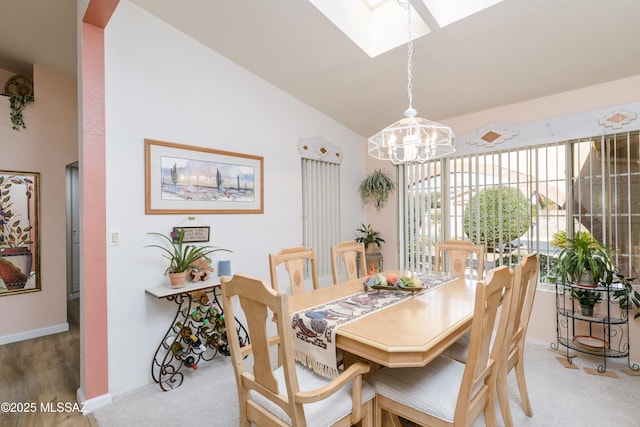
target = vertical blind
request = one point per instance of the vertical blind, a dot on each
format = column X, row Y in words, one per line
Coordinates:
column 320, row 209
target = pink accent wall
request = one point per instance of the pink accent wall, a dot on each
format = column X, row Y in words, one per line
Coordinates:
column 93, row 244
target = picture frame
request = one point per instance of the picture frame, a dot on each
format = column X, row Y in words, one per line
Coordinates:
column 193, row 234
column 19, row 232
column 189, row 179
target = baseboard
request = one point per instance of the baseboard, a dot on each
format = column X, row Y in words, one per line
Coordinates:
column 34, row 333
column 91, row 405
column 540, row 342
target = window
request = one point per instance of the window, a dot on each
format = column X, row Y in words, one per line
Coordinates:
column 584, row 184
column 604, row 188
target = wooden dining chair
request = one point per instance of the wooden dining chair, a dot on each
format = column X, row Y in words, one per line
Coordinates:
column 294, row 260
column 524, row 291
column 456, row 254
column 291, row 394
column 447, row 392
column 526, row 279
column 353, row 258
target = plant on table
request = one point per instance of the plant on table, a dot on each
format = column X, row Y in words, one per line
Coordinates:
column 587, row 299
column 369, row 237
column 182, row 257
column 582, row 259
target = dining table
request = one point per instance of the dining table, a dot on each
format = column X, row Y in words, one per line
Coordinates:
column 410, row 333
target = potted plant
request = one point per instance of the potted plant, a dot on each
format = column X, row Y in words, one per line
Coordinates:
column 20, row 91
column 582, row 259
column 587, row 263
column 376, row 187
column 372, row 242
column 627, row 297
column 369, row 237
column 587, row 299
column 17, row 104
column 181, row 257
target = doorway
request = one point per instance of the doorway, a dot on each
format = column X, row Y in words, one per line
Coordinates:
column 73, row 231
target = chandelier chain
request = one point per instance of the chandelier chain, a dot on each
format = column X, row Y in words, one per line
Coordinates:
column 411, row 139
column 407, row 6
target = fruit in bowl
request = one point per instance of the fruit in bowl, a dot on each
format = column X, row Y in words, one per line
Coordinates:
column 393, row 281
column 381, row 280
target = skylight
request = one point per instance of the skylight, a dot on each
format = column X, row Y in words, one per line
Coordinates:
column 373, row 4
column 377, row 26
column 449, row 11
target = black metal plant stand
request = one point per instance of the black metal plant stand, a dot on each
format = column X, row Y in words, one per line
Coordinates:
column 606, row 335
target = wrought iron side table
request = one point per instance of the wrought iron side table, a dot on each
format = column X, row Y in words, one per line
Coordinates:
column 197, row 332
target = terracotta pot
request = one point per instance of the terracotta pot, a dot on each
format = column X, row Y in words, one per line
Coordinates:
column 178, row 280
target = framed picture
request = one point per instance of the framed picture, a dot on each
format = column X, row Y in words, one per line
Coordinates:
column 192, row 234
column 188, row 179
column 19, row 232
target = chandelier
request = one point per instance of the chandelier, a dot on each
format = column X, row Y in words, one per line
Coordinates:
column 411, row 139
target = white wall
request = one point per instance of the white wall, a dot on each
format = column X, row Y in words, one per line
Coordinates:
column 46, row 146
column 163, row 85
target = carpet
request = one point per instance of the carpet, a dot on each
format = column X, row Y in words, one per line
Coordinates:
column 559, row 396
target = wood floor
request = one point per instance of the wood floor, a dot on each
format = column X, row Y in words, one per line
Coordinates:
column 42, row 376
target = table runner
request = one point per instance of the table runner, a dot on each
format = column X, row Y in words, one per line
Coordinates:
column 314, row 329
column 314, row 342
column 431, row 280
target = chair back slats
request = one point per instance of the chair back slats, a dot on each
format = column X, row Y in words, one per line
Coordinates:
column 526, row 274
column 353, row 257
column 260, row 343
column 294, row 260
column 525, row 285
column 457, row 254
column 481, row 367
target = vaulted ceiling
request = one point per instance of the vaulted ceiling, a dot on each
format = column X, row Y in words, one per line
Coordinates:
column 514, row 51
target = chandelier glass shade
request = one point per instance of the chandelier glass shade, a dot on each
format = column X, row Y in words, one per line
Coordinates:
column 412, row 139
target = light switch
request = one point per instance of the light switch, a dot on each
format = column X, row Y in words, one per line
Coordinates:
column 114, row 237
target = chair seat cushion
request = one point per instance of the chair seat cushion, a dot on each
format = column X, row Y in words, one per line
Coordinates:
column 318, row 414
column 459, row 350
column 432, row 389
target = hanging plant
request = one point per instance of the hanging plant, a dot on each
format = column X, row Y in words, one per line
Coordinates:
column 376, row 187
column 18, row 102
